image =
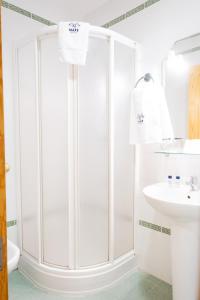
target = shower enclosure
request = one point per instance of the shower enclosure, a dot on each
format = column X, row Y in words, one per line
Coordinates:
column 76, row 167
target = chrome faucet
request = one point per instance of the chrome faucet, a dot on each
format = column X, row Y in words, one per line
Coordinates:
column 193, row 183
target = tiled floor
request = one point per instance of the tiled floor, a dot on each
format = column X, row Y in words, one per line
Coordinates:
column 138, row 286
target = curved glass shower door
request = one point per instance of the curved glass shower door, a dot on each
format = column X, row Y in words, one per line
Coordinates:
column 93, row 154
column 76, row 199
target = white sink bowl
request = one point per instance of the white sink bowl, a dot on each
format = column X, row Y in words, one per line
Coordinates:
column 183, row 208
column 13, row 255
column 176, row 202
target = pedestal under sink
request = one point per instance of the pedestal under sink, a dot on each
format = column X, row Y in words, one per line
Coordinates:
column 183, row 208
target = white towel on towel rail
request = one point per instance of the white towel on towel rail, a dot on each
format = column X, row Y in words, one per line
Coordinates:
column 149, row 120
column 73, row 42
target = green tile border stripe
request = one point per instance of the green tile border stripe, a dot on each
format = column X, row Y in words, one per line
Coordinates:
column 42, row 20
column 155, row 227
column 130, row 13
column 27, row 13
column 11, row 223
column 166, row 230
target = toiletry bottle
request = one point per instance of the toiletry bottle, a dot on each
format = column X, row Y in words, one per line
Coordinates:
column 170, row 180
column 178, row 181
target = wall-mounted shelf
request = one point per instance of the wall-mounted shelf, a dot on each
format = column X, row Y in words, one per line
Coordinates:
column 175, row 153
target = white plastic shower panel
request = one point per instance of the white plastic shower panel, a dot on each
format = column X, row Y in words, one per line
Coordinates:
column 28, row 142
column 54, row 153
column 76, row 164
column 123, row 152
column 93, row 155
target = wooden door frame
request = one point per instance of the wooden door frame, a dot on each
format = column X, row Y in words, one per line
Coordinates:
column 3, row 227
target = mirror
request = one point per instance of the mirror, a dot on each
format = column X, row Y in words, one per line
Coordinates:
column 182, row 86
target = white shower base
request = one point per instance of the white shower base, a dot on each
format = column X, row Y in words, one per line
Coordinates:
column 77, row 282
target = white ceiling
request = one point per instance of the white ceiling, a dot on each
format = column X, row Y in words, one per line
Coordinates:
column 57, row 10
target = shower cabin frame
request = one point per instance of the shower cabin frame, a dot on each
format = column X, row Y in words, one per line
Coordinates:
column 79, row 279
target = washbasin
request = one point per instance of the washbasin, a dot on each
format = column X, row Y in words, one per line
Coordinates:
column 175, row 202
column 182, row 206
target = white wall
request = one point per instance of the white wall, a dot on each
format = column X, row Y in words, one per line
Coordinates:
column 110, row 10
column 156, row 28
column 14, row 27
column 59, row 10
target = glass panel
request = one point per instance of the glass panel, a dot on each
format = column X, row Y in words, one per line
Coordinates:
column 123, row 151
column 28, row 147
column 54, row 153
column 93, row 155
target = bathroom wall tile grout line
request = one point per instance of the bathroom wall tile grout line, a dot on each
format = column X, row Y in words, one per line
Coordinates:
column 42, row 20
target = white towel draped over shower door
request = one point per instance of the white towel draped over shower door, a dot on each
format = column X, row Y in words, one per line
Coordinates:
column 149, row 121
column 73, row 42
